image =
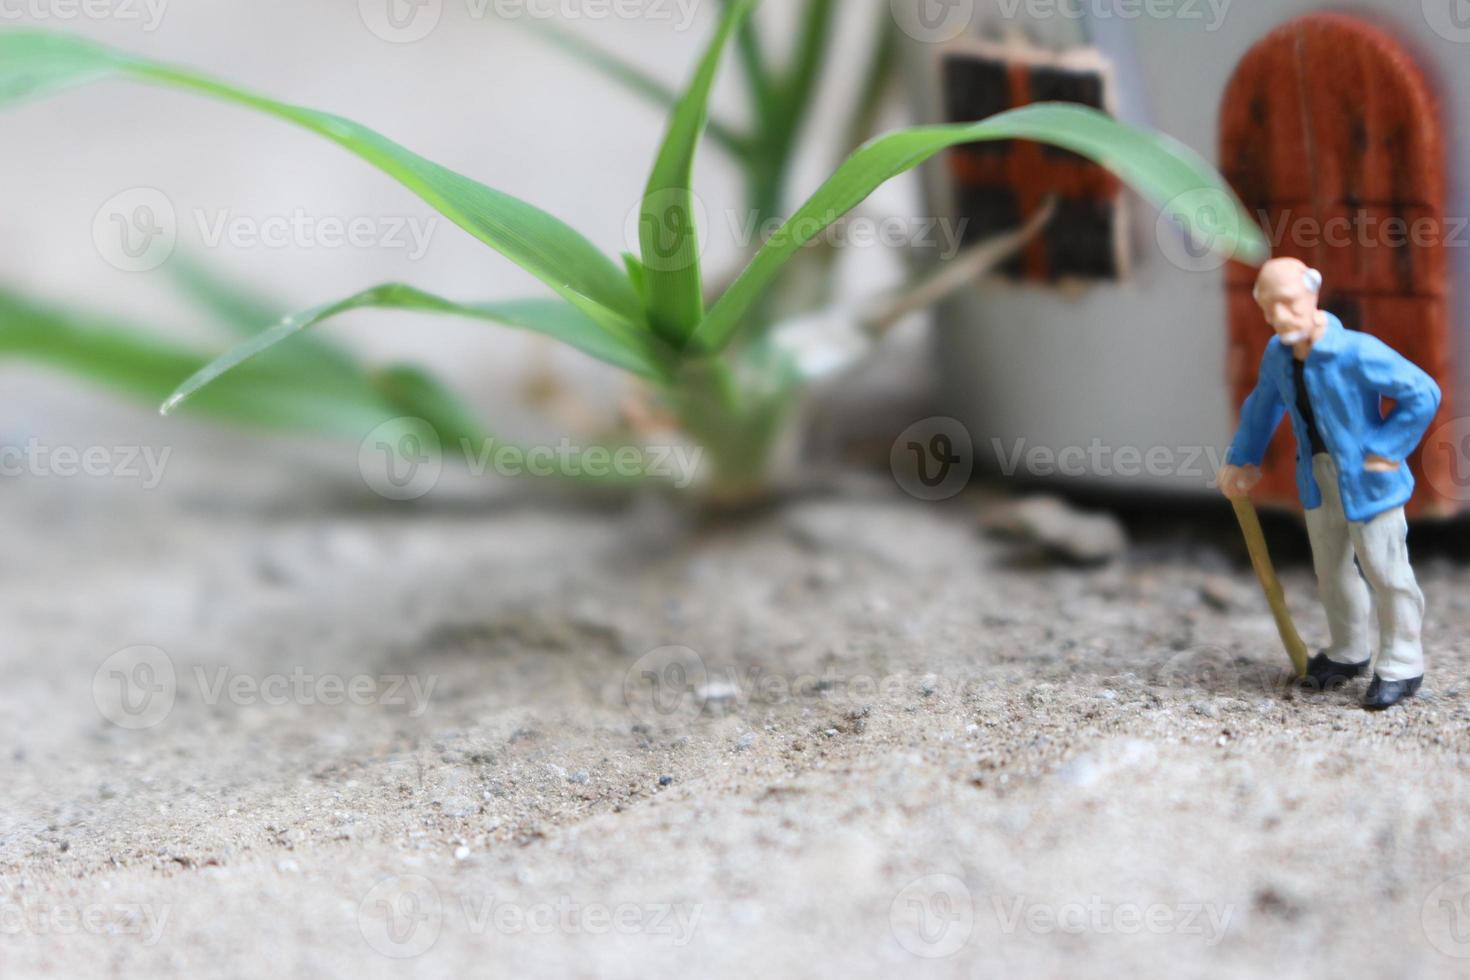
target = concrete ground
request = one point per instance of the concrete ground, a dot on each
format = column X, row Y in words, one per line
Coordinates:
column 261, row 723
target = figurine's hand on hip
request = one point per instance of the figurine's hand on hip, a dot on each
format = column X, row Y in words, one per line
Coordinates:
column 1377, row 464
column 1238, row 481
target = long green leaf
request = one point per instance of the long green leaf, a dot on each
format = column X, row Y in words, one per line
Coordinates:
column 550, row 317
column 33, row 62
column 1166, row 172
column 246, row 314
column 666, row 227
column 635, row 80
column 131, row 362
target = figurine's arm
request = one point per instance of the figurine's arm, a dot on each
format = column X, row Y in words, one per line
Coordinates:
column 1391, row 375
column 1259, row 418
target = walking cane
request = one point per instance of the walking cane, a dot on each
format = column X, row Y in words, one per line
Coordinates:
column 1255, row 542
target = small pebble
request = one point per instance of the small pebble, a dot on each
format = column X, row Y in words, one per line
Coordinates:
column 1218, row 593
column 1063, row 531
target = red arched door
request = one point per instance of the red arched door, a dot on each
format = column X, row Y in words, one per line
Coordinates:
column 1330, row 133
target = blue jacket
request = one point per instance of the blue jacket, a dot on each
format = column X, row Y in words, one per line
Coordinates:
column 1347, row 375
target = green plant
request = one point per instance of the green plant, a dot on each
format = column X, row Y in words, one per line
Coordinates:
column 310, row 386
column 710, row 361
column 778, row 101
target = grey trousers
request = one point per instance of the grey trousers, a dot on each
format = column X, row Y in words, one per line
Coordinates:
column 1382, row 550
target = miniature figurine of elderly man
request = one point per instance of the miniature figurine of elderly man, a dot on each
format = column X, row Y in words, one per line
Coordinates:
column 1351, row 474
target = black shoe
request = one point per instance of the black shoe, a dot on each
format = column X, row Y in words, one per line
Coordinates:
column 1326, row 675
column 1384, row 694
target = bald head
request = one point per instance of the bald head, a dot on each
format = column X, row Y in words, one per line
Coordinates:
column 1287, row 291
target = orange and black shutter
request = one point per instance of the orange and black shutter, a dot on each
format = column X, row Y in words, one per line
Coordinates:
column 998, row 186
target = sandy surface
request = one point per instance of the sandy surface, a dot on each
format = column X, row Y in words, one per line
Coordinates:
column 890, row 746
